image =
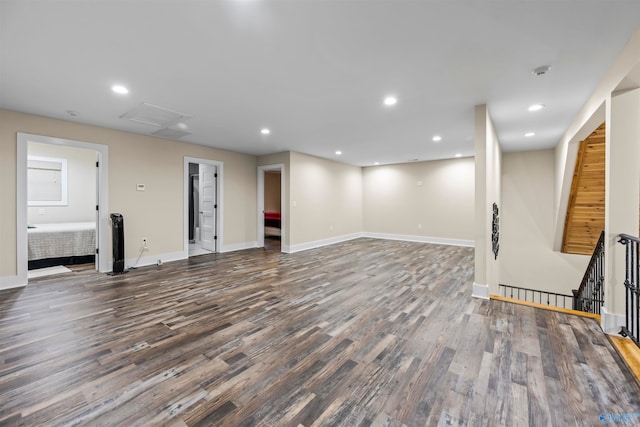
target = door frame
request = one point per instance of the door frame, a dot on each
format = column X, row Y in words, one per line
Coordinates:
column 21, row 197
column 261, row 170
column 219, row 198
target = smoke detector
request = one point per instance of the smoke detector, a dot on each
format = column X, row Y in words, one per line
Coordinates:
column 541, row 71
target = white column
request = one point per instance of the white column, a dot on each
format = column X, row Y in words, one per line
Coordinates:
column 488, row 159
column 622, row 198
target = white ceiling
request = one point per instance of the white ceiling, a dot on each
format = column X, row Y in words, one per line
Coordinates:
column 315, row 72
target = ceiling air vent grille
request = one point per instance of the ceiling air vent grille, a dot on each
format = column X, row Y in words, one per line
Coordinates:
column 154, row 115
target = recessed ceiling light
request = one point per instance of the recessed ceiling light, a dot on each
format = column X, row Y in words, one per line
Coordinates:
column 536, row 107
column 390, row 100
column 376, row 163
column 436, row 138
column 265, row 131
column 530, row 134
column 338, row 152
column 119, row 89
column 458, row 155
column 541, row 71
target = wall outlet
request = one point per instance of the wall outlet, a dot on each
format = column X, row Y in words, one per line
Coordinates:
column 331, row 227
column 144, row 241
column 419, row 226
column 40, row 211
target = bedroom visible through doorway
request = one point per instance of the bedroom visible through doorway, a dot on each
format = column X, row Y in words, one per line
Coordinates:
column 271, row 214
column 62, row 204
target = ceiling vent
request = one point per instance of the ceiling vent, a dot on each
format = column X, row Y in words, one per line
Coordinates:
column 171, row 133
column 154, row 115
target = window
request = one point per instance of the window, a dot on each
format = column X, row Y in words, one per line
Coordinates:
column 46, row 181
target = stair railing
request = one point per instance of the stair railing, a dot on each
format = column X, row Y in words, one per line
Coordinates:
column 632, row 297
column 534, row 295
column 589, row 296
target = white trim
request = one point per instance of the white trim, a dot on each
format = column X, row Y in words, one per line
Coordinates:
column 239, row 246
column 21, row 198
column 480, row 291
column 10, row 282
column 320, row 243
column 421, row 239
column 219, row 210
column 260, row 214
column 611, row 323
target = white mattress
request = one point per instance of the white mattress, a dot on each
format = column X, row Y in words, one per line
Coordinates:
column 61, row 240
column 271, row 231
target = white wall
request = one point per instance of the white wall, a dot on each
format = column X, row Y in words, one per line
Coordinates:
column 527, row 227
column 421, row 200
column 81, row 183
column 589, row 117
column 622, row 180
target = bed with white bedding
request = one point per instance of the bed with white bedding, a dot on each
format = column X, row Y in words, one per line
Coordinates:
column 58, row 244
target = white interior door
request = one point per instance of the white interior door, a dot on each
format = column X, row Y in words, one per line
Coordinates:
column 208, row 206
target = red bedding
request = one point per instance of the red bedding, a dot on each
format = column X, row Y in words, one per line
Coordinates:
column 272, row 215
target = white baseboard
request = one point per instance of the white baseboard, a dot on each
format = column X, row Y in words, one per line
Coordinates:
column 611, row 323
column 319, row 243
column 420, row 239
column 10, row 282
column 480, row 291
column 239, row 246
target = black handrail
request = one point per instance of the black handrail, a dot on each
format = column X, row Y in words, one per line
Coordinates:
column 632, row 295
column 548, row 296
column 589, row 296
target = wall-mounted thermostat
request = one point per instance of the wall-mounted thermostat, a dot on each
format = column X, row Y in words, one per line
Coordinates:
column 140, row 187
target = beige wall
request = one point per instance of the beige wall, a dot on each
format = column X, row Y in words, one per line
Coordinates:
column 527, row 227
column 156, row 213
column 325, row 199
column 81, row 186
column 425, row 199
column 272, row 190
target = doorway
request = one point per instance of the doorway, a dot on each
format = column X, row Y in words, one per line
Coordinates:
column 271, row 213
column 46, row 211
column 202, row 210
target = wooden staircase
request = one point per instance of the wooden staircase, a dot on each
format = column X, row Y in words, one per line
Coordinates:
column 585, row 212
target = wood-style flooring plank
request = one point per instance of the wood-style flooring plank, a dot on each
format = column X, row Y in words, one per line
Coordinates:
column 362, row 333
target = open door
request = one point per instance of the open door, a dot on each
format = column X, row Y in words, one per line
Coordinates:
column 208, row 207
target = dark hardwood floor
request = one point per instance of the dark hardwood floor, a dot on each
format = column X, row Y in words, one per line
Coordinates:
column 367, row 332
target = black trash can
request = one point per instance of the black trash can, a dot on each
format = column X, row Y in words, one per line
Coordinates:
column 117, row 228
